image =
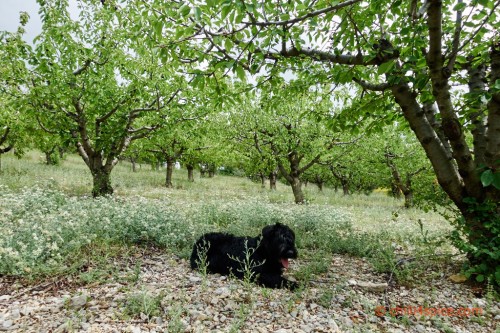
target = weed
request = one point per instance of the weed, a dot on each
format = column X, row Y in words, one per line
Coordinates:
column 143, row 303
column 247, row 268
column 175, row 324
column 325, row 298
column 240, row 318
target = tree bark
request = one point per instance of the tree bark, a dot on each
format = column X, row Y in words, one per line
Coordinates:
column 203, row 170
column 342, row 178
column 102, row 183
column 493, row 134
column 211, row 170
column 319, row 182
column 293, row 176
column 262, row 180
column 441, row 91
column 272, row 180
column 3, row 139
column 48, row 158
column 134, row 166
column 345, row 186
column 169, row 172
column 444, row 167
column 190, row 169
column 320, row 186
column 477, row 78
column 297, row 190
column 396, row 191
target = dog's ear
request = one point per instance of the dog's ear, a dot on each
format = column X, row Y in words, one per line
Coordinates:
column 268, row 230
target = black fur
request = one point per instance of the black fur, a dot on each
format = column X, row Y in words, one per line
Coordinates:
column 226, row 252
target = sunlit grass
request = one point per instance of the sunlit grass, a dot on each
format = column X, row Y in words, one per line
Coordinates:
column 374, row 212
column 47, row 216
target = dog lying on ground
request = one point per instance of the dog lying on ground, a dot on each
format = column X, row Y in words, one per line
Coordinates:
column 268, row 255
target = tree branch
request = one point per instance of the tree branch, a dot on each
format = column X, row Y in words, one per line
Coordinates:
column 441, row 90
column 371, row 86
column 456, row 39
column 304, row 17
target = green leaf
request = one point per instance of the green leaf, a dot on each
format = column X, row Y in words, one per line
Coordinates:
column 385, row 67
column 197, row 13
column 480, row 278
column 459, row 6
column 240, row 72
column 184, row 10
column 487, row 178
column 496, row 180
column 158, row 27
column 485, row 3
column 225, row 11
column 228, row 45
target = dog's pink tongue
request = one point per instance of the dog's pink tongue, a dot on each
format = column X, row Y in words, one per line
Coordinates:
column 284, row 262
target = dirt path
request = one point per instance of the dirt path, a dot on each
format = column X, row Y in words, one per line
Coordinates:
column 164, row 295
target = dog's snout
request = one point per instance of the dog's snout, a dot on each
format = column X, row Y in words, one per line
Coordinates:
column 291, row 254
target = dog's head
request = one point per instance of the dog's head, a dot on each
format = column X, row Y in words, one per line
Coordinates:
column 280, row 242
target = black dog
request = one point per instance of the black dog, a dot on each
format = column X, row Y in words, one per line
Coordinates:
column 225, row 254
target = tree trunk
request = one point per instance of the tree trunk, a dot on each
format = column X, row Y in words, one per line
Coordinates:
column 262, row 180
column 297, row 190
column 319, row 183
column 345, row 186
column 408, row 199
column 320, row 186
column 203, row 171
column 211, row 170
column 102, row 183
column 272, row 180
column 170, row 169
column 396, row 191
column 48, row 158
column 134, row 167
column 342, row 178
column 190, row 169
column 293, row 176
column 477, row 79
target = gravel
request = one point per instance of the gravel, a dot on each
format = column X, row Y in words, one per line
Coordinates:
column 347, row 298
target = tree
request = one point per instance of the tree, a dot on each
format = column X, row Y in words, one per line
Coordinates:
column 14, row 125
column 94, row 82
column 285, row 122
column 172, row 142
column 255, row 156
column 416, row 59
column 402, row 185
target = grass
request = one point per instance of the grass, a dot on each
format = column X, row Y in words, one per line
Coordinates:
column 48, row 220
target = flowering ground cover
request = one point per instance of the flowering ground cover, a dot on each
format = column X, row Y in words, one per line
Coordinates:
column 355, row 253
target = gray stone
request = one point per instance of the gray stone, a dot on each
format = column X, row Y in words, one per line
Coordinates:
column 375, row 287
column 479, row 302
column 79, row 301
column 7, row 324
column 306, row 328
column 420, row 328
